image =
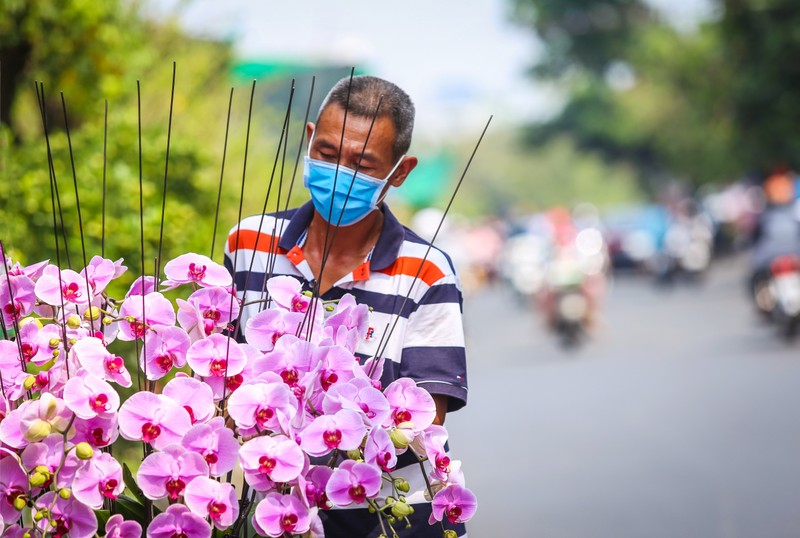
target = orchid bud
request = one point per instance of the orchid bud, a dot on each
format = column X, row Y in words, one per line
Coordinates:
column 92, row 314
column 64, row 493
column 54, row 342
column 29, row 382
column 308, row 293
column 30, row 319
column 56, row 353
column 354, row 454
column 399, row 439
column 329, row 308
column 107, row 321
column 84, row 451
column 371, row 509
column 450, row 533
column 39, row 516
column 27, row 534
column 72, row 341
column 402, row 510
column 37, row 479
column 402, row 485
column 20, row 502
column 73, row 321
column 38, row 430
column 390, row 501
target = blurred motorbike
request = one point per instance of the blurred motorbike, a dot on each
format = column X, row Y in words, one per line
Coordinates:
column 568, row 303
column 784, row 289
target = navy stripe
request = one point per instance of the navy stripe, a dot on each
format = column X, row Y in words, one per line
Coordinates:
column 360, row 523
column 445, row 368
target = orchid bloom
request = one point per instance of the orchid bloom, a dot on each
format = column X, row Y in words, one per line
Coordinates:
column 98, row 361
column 207, row 310
column 99, row 273
column 153, row 418
column 360, row 396
column 263, row 404
column 178, row 521
column 66, row 517
column 343, row 430
column 50, row 453
column 268, row 326
column 57, row 285
column 166, row 473
column 456, row 503
column 316, row 479
column 13, row 485
column 24, row 298
column 116, row 527
column 98, row 479
column 140, row 313
column 216, row 356
column 216, row 443
column 194, row 268
column 39, row 418
column 278, row 514
column 271, row 459
column 165, row 348
column 409, row 403
column 193, row 395
column 217, row 501
column 291, row 358
column 287, row 293
column 379, row 450
column 88, row 396
column 142, row 286
column 99, row 431
column 353, row 482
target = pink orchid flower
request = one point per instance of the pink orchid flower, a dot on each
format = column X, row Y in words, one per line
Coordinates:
column 379, row 450
column 217, row 501
column 44, row 337
column 353, row 482
column 279, row 514
column 457, row 503
column 165, row 348
column 100, row 272
column 343, row 430
column 315, row 482
column 265, row 328
column 194, row 268
column 157, row 311
column 349, row 323
column 193, row 395
column 57, row 284
column 96, row 359
column 409, row 403
column 360, row 396
column 33, row 271
column 49, row 452
column 88, row 396
column 216, row 356
column 166, row 473
column 13, row 484
column 39, row 418
column 153, row 418
column 24, row 298
column 287, row 293
column 266, row 460
column 99, row 431
column 98, row 479
column 216, row 443
column 207, row 310
column 433, row 440
column 13, row 374
column 66, row 517
column 116, row 527
column 178, row 521
column 263, row 404
column 291, row 358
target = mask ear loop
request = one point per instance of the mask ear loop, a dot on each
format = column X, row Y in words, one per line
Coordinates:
column 378, row 197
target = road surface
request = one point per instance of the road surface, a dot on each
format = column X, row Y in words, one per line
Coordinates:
column 680, row 419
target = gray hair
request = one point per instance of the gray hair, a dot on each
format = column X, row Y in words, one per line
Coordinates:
column 364, row 93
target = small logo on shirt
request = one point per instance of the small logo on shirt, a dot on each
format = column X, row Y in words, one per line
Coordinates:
column 370, row 334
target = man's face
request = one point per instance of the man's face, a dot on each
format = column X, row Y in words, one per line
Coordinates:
column 378, row 159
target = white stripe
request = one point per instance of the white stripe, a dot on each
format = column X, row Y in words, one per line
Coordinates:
column 435, row 325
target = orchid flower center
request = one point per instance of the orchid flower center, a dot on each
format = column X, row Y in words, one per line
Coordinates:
column 454, row 513
column 264, row 415
column 211, row 458
column 266, row 464
column 328, row 379
column 332, row 438
column 99, row 403
column 71, row 292
column 175, row 487
column 276, row 336
column 138, row 328
column 28, row 351
column 179, row 535
column 97, row 437
column 357, row 493
column 42, row 379
column 216, row 509
column 401, row 415
column 300, row 303
column 191, row 413
column 234, row 382
column 197, row 272
column 12, row 494
column 165, row 361
column 61, row 527
column 289, row 522
column 367, row 411
column 12, row 310
column 442, row 463
column 212, row 313
column 289, row 376
column 108, row 488
column 150, row 432
column 218, row 367
column 115, row 364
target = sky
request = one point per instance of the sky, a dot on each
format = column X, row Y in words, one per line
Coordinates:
column 459, row 61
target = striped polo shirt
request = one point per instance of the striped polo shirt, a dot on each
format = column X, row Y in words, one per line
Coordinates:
column 426, row 343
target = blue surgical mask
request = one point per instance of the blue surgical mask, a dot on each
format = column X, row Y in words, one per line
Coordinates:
column 319, row 177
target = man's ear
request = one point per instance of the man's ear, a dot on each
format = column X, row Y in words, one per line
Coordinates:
column 403, row 169
column 309, row 131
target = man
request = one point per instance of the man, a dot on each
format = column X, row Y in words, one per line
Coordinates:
column 352, row 163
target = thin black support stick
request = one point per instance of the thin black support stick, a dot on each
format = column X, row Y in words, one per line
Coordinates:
column 399, row 314
column 141, row 233
column 53, row 176
column 105, row 168
column 166, row 174
column 51, row 171
column 221, row 174
column 273, row 253
column 80, row 217
column 236, row 245
column 302, row 143
column 14, row 314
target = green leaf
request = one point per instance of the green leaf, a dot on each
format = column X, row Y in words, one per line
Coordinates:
column 130, row 509
column 131, row 484
column 102, row 518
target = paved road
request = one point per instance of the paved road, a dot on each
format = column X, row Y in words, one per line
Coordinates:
column 680, row 419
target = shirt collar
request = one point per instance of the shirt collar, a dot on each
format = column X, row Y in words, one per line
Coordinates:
column 386, row 249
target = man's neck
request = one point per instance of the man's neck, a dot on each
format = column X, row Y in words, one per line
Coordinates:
column 350, row 241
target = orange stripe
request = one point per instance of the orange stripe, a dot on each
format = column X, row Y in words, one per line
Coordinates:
column 247, row 240
column 406, row 265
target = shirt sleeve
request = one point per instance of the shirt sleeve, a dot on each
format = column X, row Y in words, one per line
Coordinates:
column 433, row 352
